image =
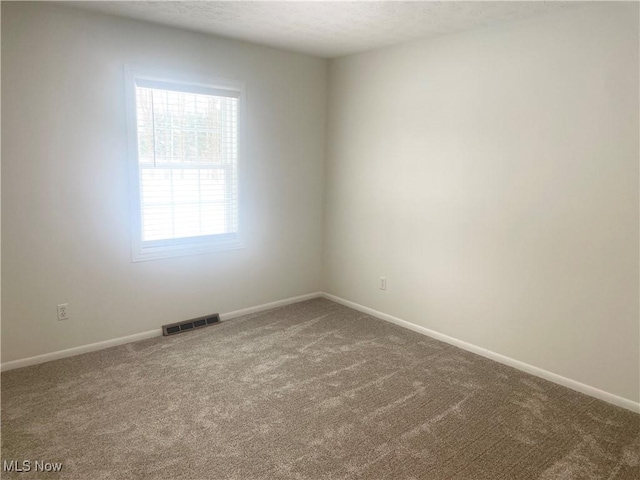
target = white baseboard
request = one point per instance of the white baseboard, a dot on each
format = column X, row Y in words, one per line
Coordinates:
column 269, row 306
column 92, row 347
column 525, row 367
column 70, row 352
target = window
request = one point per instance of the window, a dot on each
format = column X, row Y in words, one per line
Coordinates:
column 185, row 150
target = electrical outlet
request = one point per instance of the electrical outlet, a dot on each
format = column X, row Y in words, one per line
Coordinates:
column 63, row 311
column 383, row 283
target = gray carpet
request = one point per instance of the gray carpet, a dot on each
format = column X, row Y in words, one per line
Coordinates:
column 309, row 391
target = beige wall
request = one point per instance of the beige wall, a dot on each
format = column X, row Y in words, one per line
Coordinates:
column 65, row 199
column 492, row 176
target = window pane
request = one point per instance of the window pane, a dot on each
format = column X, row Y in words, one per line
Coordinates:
column 214, row 219
column 157, row 222
column 187, row 151
column 179, row 203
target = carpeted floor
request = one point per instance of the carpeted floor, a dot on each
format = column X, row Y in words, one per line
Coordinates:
column 309, row 391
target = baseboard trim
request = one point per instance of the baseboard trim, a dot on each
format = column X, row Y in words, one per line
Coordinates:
column 92, row 347
column 269, row 306
column 525, row 367
column 72, row 352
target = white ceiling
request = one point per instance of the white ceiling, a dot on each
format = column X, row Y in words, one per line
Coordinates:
column 327, row 29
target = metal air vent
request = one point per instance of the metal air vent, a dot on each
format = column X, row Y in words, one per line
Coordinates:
column 173, row 328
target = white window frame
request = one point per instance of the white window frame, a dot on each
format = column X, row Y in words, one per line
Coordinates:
column 150, row 250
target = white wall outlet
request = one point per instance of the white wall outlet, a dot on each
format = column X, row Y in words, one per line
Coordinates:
column 63, row 311
column 383, row 283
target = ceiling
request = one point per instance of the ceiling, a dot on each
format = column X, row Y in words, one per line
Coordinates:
column 326, row 29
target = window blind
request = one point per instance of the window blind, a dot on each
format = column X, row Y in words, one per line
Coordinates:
column 187, row 159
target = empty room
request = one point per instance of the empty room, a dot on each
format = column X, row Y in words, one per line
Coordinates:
column 320, row 240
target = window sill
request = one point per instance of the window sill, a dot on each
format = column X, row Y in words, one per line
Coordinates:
column 143, row 254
